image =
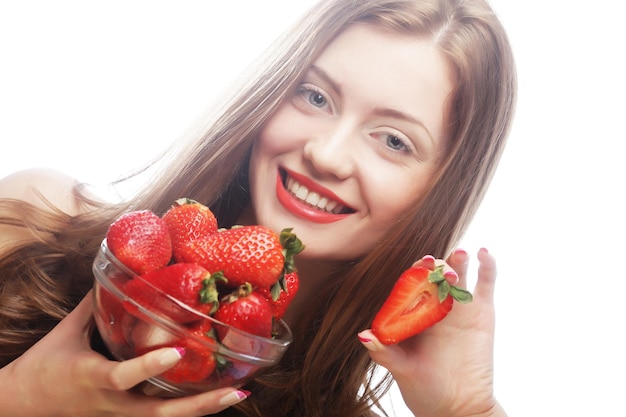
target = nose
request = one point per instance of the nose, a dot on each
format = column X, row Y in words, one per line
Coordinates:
column 333, row 151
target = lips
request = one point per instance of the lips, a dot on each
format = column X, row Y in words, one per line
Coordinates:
column 308, row 200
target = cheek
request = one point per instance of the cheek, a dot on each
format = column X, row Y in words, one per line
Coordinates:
column 279, row 132
column 389, row 200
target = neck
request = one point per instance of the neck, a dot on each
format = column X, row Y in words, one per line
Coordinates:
column 313, row 275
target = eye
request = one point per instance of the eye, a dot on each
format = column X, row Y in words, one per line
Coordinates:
column 316, row 99
column 311, row 97
column 396, row 143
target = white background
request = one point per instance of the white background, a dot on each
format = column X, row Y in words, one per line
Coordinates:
column 96, row 89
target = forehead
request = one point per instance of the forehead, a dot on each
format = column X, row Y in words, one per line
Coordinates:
column 377, row 67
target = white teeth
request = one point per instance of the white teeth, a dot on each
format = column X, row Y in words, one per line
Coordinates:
column 333, row 206
column 312, row 198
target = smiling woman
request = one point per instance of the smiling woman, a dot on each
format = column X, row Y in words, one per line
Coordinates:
column 99, row 91
column 337, row 139
column 388, row 145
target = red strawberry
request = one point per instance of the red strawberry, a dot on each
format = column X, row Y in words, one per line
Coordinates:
column 189, row 284
column 140, row 240
column 198, row 362
column 419, row 299
column 188, row 220
column 281, row 294
column 246, row 310
column 111, row 313
column 253, row 254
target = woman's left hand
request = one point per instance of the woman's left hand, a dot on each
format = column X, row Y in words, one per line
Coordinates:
column 448, row 368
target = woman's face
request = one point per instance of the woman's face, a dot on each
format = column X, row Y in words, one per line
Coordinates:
column 345, row 156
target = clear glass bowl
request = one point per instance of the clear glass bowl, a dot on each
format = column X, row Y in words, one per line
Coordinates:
column 129, row 329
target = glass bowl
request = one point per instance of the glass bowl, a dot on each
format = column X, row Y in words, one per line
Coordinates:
column 130, row 327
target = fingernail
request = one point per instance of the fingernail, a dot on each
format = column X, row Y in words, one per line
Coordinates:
column 171, row 356
column 428, row 258
column 451, row 276
column 234, row 397
column 462, row 253
column 368, row 343
column 484, row 250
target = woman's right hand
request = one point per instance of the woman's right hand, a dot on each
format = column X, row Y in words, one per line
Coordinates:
column 62, row 376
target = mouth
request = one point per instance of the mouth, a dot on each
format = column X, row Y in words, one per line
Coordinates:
column 318, row 199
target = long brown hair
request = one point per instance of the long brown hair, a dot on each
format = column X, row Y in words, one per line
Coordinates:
column 325, row 372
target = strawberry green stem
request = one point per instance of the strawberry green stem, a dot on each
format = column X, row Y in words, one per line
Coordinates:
column 444, row 288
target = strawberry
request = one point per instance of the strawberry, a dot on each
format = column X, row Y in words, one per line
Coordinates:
column 253, row 254
column 246, row 310
column 111, row 313
column 198, row 362
column 189, row 284
column 280, row 295
column 419, row 299
column 140, row 240
column 188, row 220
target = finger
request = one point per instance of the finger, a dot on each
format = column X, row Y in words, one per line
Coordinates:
column 210, row 402
column 431, row 263
column 487, row 273
column 459, row 262
column 384, row 355
column 120, row 376
column 427, row 261
column 79, row 321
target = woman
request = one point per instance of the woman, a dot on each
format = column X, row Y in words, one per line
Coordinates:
column 372, row 128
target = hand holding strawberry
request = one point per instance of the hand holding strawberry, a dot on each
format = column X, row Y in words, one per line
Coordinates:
column 447, row 369
column 187, row 270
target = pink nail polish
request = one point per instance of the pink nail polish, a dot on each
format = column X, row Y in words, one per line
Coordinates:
column 364, row 339
column 234, row 397
column 451, row 276
column 243, row 394
column 181, row 351
column 460, row 251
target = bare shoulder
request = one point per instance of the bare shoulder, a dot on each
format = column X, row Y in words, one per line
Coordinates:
column 42, row 188
column 38, row 186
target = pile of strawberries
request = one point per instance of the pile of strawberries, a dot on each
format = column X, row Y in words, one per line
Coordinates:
column 244, row 277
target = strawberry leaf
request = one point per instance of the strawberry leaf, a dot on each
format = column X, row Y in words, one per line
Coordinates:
column 208, row 293
column 276, row 289
column 461, row 295
column 436, row 276
column 443, row 289
column 291, row 247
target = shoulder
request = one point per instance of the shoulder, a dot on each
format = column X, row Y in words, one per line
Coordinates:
column 42, row 188
column 45, row 189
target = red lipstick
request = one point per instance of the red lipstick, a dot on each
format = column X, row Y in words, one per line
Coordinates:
column 303, row 210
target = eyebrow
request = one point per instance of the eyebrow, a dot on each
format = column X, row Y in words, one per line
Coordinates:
column 380, row 111
column 326, row 78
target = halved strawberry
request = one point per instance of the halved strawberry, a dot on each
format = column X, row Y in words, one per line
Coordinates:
column 189, row 284
column 419, row 299
column 253, row 254
column 188, row 220
column 140, row 240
